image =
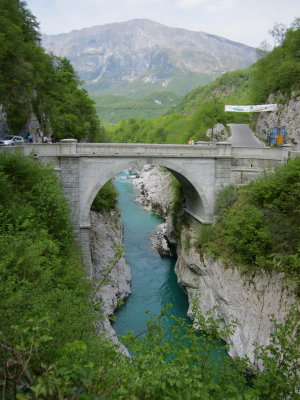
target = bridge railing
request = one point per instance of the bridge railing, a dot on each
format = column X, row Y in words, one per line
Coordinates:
column 70, row 147
column 141, row 149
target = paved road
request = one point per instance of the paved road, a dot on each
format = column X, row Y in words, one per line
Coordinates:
column 242, row 136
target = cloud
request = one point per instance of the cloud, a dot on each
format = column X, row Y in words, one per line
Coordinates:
column 220, row 6
column 142, row 2
column 190, row 3
column 209, row 6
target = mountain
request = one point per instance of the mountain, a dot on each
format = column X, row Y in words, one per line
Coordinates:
column 137, row 57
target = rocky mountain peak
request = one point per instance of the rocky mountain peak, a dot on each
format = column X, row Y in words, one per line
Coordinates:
column 146, row 51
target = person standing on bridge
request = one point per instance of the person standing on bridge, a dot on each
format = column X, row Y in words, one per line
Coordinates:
column 191, row 141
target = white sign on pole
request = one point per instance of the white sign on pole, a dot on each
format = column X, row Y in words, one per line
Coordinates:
column 254, row 108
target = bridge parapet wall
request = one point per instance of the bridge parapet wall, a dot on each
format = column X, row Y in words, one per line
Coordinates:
column 249, row 164
column 70, row 147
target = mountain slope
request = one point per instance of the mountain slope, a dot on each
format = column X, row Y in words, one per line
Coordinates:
column 112, row 109
column 140, row 56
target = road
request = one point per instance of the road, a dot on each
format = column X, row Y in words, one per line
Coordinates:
column 242, row 136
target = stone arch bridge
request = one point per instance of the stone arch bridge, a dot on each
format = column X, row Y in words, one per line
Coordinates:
column 202, row 170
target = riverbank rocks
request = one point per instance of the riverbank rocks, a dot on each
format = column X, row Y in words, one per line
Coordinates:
column 156, row 193
column 163, row 240
column 106, row 233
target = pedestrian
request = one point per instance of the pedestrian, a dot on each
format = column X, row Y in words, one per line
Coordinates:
column 30, row 138
column 40, row 134
column 191, row 141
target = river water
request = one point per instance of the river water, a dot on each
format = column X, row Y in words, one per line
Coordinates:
column 154, row 282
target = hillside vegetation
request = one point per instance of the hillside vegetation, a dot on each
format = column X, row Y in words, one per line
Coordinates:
column 198, row 111
column 32, row 81
column 259, row 226
column 112, row 108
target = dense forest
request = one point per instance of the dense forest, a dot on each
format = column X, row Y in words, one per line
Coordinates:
column 114, row 108
column 33, row 82
column 50, row 344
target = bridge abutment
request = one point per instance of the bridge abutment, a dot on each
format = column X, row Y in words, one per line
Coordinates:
column 69, row 174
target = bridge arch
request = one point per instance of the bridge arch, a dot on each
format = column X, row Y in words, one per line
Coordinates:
column 202, row 170
column 92, row 181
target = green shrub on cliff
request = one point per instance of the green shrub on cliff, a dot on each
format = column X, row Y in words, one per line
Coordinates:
column 260, row 232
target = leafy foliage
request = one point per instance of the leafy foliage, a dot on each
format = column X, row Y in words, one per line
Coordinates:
column 280, row 69
column 43, row 290
column 112, row 108
column 281, row 359
column 106, row 198
column 41, row 270
column 166, row 129
column 225, row 199
column 33, row 81
column 261, row 230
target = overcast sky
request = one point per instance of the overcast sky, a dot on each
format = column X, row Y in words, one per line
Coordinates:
column 244, row 21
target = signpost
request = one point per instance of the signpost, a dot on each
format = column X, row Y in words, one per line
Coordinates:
column 276, row 136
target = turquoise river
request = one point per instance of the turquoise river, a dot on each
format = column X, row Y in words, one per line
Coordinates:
column 154, row 282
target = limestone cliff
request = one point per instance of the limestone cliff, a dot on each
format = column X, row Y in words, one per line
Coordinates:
column 154, row 185
column 106, row 232
column 288, row 116
column 250, row 300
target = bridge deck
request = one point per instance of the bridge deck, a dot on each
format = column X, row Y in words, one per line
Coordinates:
column 70, row 147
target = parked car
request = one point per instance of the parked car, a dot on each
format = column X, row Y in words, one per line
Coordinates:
column 11, row 140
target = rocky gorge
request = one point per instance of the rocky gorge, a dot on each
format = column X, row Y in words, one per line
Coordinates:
column 250, row 301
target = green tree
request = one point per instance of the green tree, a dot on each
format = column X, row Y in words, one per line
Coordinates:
column 33, row 81
column 106, row 198
column 279, row 69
